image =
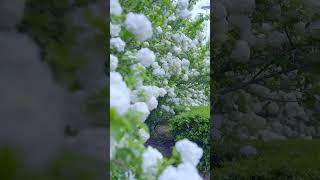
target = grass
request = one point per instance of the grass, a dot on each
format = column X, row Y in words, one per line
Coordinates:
column 277, row 159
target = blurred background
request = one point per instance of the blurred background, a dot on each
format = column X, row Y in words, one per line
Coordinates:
column 53, row 89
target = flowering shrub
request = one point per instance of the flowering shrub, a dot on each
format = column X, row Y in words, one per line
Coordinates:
column 197, row 123
column 158, row 60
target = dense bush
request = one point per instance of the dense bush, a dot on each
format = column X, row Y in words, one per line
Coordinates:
column 195, row 126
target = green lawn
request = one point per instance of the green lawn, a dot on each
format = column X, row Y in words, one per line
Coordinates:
column 278, row 159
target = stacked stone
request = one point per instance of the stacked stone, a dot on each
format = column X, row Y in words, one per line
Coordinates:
column 251, row 113
column 251, row 117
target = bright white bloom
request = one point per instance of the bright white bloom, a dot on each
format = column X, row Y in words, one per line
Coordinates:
column 112, row 147
column 166, row 108
column 189, row 151
column 118, row 44
column 146, row 57
column 171, row 92
column 142, row 108
column 183, row 4
column 185, row 77
column 159, row 30
column 115, row 8
column 177, row 49
column 185, row 13
column 162, row 92
column 145, row 44
column 115, row 29
column 144, row 134
column 172, row 18
column 184, row 171
column 152, row 103
column 119, row 93
column 139, row 25
column 113, row 62
column 158, row 72
column 150, row 159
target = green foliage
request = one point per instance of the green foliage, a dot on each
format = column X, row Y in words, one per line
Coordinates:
column 67, row 166
column 8, row 163
column 195, row 126
column 289, row 159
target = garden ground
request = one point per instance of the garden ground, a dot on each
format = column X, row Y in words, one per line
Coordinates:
column 276, row 159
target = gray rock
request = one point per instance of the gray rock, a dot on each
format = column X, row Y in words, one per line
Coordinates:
column 254, row 121
column 287, row 131
column 277, row 127
column 272, row 108
column 217, row 120
column 241, row 52
column 310, row 131
column 269, row 135
column 248, row 150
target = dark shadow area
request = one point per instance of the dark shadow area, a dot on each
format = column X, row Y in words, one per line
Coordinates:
column 265, row 79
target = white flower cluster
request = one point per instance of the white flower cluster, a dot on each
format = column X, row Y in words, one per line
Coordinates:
column 146, row 57
column 118, row 44
column 139, row 25
column 182, row 8
column 190, row 154
column 119, row 93
column 115, row 8
column 189, row 151
column 182, row 172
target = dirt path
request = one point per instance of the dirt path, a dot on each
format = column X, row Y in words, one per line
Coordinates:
column 162, row 139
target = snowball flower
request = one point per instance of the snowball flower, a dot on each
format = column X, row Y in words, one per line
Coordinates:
column 177, row 49
column 183, row 4
column 115, row 8
column 158, row 72
column 189, row 151
column 145, row 44
column 119, row 93
column 142, row 108
column 152, row 103
column 112, row 147
column 159, row 29
column 185, row 77
column 166, row 108
column 184, row 13
column 113, row 62
column 144, row 134
column 118, row 44
column 172, row 18
column 139, row 25
column 146, row 57
column 184, row 171
column 150, row 159
column 115, row 29
column 162, row 92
